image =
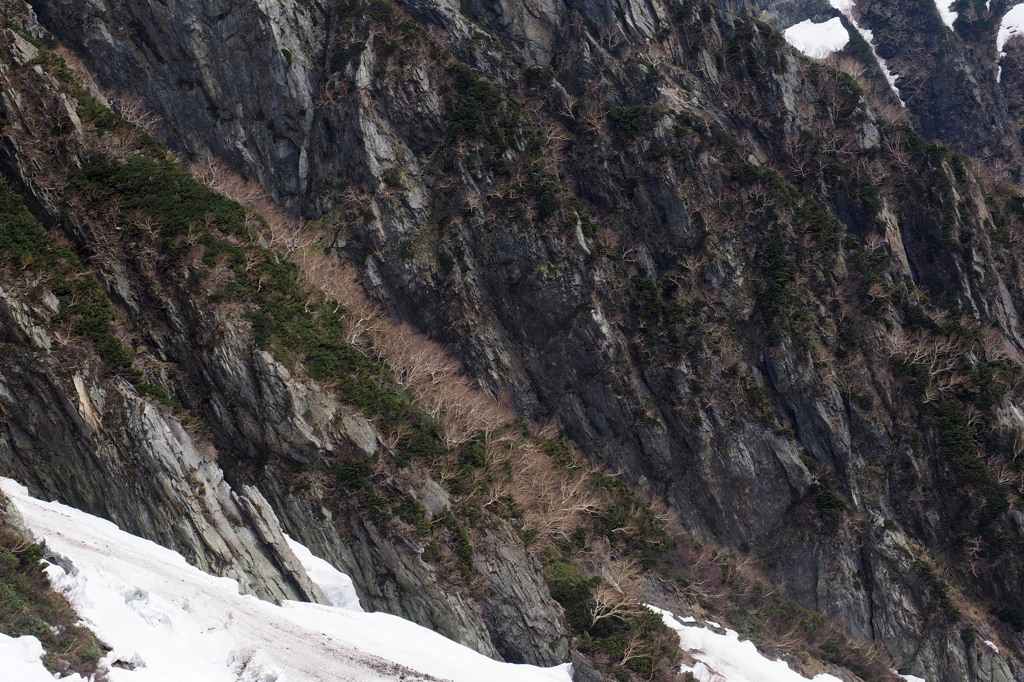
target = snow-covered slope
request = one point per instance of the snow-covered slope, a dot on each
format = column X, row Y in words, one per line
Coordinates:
column 722, row 657
column 822, row 39
column 167, row 621
column 19, row 661
column 1012, row 24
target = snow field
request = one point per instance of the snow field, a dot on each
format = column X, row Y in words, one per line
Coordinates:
column 818, row 40
column 172, row 622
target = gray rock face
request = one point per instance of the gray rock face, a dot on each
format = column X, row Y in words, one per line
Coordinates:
column 946, row 76
column 516, row 601
column 738, row 429
column 101, row 448
column 190, row 56
column 148, row 477
column 893, row 604
column 782, row 13
column 517, row 621
column 388, row 575
column 73, row 434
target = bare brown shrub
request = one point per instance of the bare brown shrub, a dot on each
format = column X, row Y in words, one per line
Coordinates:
column 940, row 356
column 84, row 76
column 134, row 110
column 554, row 498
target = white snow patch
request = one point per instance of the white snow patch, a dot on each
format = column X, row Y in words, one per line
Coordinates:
column 991, row 645
column 21, row 660
column 911, row 678
column 724, row 658
column 336, row 585
column 174, row 622
column 1012, row 24
column 818, row 40
column 846, row 7
column 945, row 8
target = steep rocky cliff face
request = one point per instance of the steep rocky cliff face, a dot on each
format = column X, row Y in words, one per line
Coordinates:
column 952, row 79
column 129, row 391
column 721, row 269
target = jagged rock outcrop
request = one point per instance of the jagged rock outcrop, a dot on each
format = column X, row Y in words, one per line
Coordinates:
column 948, row 77
column 517, row 623
column 386, row 577
column 97, row 445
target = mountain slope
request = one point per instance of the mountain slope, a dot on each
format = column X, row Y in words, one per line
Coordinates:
column 719, row 267
column 178, row 622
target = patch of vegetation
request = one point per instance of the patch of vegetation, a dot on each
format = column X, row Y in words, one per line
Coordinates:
column 279, row 309
column 663, row 315
column 354, row 477
column 84, row 307
column 381, row 11
column 1012, row 616
column 635, row 641
column 827, row 499
column 779, row 272
column 162, row 190
column 481, row 110
column 628, row 122
column 29, row 606
column 464, row 547
column 937, row 589
column 629, row 522
column 432, row 552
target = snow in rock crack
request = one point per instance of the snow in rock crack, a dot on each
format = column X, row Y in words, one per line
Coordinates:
column 846, row 8
column 1012, row 24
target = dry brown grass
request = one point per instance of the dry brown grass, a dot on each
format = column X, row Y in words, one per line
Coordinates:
column 554, row 497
